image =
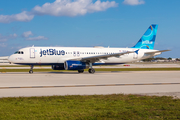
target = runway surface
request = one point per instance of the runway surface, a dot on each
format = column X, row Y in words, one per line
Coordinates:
column 175, row 65
column 72, row 83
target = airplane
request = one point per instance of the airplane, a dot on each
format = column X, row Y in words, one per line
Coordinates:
column 80, row 58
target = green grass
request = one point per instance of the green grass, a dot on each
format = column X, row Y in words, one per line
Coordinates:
column 113, row 107
column 97, row 69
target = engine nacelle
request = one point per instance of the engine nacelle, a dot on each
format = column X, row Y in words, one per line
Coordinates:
column 75, row 65
column 58, row 67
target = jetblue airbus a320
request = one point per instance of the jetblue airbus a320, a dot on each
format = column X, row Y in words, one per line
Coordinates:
column 80, row 58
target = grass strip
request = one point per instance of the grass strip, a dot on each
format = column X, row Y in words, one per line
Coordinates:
column 97, row 69
column 116, row 107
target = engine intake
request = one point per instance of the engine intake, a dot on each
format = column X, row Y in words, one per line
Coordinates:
column 58, row 67
column 75, row 65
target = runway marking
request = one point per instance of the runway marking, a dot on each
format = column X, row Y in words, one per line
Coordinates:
column 90, row 85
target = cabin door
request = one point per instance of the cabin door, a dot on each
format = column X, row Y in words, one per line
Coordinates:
column 32, row 53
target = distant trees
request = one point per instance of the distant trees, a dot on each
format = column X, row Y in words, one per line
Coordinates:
column 153, row 59
column 169, row 58
column 160, row 59
column 177, row 59
column 148, row 59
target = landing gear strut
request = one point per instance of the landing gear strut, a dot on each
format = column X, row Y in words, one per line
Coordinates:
column 31, row 70
column 80, row 71
column 91, row 70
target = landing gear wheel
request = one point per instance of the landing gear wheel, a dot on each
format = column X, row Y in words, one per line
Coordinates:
column 30, row 71
column 91, row 70
column 80, row 71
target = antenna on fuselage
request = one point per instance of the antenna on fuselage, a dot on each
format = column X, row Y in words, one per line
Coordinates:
column 33, row 46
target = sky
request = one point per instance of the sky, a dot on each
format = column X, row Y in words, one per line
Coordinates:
column 88, row 23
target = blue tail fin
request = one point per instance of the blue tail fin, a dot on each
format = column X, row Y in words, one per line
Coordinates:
column 148, row 39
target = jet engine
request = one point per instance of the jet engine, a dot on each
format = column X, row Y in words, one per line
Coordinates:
column 75, row 65
column 58, row 67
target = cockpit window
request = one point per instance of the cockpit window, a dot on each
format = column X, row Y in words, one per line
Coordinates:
column 16, row 52
column 19, row 52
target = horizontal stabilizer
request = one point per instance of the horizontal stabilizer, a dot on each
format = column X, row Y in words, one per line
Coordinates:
column 157, row 51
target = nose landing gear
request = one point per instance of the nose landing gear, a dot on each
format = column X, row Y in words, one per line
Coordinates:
column 31, row 70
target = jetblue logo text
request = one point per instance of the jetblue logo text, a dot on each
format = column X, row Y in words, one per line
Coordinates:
column 147, row 42
column 51, row 52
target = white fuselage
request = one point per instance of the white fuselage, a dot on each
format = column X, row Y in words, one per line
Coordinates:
column 58, row 55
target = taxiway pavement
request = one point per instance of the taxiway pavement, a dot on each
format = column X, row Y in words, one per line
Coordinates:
column 71, row 83
column 114, row 66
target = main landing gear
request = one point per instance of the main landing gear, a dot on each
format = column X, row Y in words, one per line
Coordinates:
column 91, row 70
column 31, row 70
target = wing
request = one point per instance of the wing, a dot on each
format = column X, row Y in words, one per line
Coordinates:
column 93, row 59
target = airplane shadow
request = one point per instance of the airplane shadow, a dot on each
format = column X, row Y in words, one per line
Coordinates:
column 81, row 73
column 97, row 72
column 63, row 72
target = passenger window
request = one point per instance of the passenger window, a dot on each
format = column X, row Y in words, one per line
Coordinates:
column 22, row 52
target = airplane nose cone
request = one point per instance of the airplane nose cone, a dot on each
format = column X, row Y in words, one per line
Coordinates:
column 10, row 59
